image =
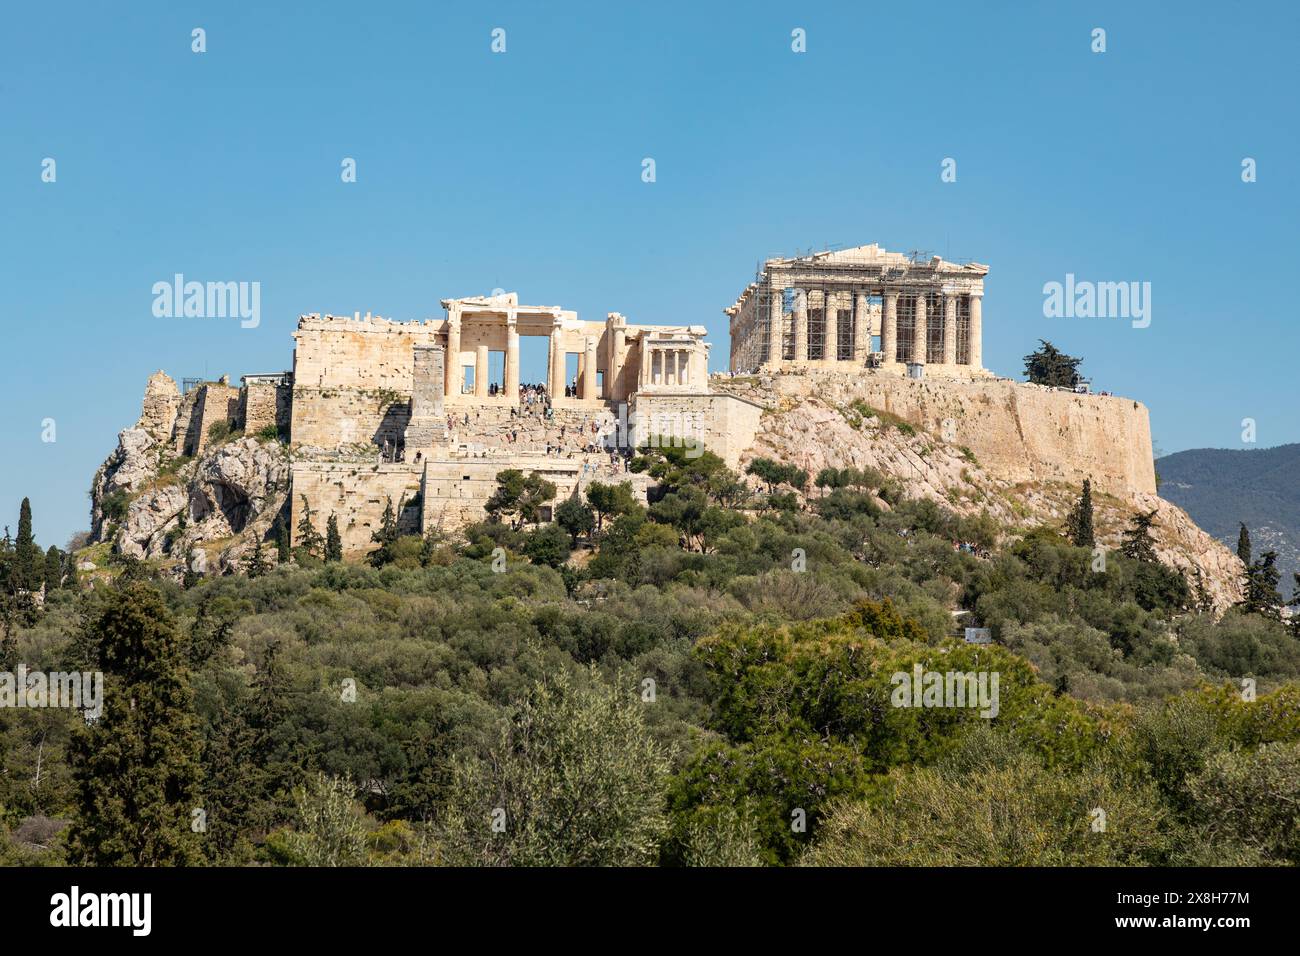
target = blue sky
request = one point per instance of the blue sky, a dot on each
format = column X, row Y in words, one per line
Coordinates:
column 522, row 171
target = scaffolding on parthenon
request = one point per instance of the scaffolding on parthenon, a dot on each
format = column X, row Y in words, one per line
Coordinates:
column 829, row 306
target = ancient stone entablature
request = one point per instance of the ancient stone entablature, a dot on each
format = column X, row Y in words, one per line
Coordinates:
column 861, row 306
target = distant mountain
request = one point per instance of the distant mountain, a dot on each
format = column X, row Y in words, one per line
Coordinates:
column 1220, row 488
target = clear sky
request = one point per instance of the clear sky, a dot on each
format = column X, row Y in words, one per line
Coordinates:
column 522, row 171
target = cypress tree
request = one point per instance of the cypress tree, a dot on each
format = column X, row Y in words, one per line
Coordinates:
column 283, row 551
column 53, row 573
column 27, row 560
column 1243, row 545
column 136, row 768
column 333, row 540
column 310, row 541
column 1079, row 524
column 257, row 563
column 71, row 580
column 385, row 536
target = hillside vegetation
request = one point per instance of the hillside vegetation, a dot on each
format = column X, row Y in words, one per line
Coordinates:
column 707, row 681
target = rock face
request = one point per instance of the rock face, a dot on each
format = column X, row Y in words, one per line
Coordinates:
column 217, row 505
column 1019, row 431
column 837, row 428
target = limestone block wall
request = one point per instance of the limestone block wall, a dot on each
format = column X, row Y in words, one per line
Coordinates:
column 726, row 424
column 456, row 489
column 333, row 352
column 357, row 493
column 263, row 404
column 1018, row 432
column 199, row 409
column 332, row 417
column 185, row 417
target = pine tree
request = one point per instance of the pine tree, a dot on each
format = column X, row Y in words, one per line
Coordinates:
column 136, row 768
column 333, row 540
column 1078, row 525
column 27, row 556
column 1048, row 365
column 1262, row 596
column 1243, row 546
column 283, row 549
column 1138, row 543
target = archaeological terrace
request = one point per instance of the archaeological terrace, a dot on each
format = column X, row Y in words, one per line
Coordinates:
column 426, row 414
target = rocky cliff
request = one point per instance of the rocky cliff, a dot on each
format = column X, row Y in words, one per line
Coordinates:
column 202, row 513
column 1021, row 479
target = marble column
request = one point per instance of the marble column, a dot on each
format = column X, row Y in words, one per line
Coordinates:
column 801, row 325
column 889, row 327
column 455, row 371
column 589, row 391
column 481, row 371
column 918, row 330
column 949, row 329
column 861, row 328
column 831, row 329
column 614, row 389
column 555, row 374
column 976, row 329
column 512, row 357
column 776, row 329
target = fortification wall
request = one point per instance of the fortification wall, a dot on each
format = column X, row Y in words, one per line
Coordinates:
column 265, row 404
column 726, row 424
column 1019, row 432
column 363, row 354
column 357, row 494
column 333, row 417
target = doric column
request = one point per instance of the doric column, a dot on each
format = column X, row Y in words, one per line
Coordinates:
column 801, row 325
column 918, row 330
column 861, row 328
column 589, row 370
column 614, row 389
column 831, row 329
column 976, row 329
column 889, row 327
column 481, row 371
column 512, row 356
column 949, row 329
column 555, row 374
column 455, row 371
column 776, row 329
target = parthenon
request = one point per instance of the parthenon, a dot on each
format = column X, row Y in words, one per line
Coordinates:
column 862, row 307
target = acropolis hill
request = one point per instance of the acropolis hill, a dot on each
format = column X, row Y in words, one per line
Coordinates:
column 826, row 350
